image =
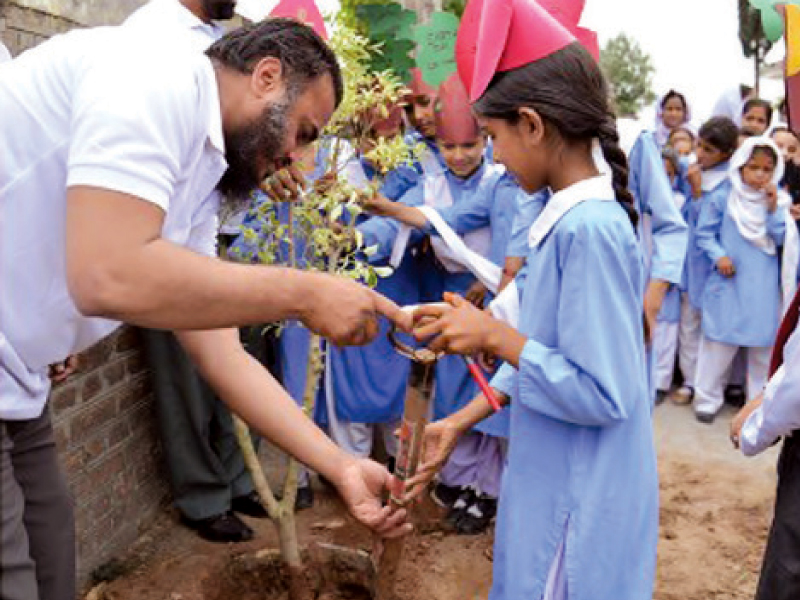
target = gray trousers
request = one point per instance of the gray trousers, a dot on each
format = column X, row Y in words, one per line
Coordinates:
column 37, row 525
column 204, row 464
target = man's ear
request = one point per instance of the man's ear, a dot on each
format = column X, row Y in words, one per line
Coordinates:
column 267, row 77
column 531, row 126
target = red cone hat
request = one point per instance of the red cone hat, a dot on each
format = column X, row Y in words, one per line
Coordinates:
column 305, row 11
column 418, row 86
column 455, row 122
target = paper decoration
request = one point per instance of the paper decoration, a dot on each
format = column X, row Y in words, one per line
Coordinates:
column 771, row 19
column 500, row 35
column 455, row 122
column 792, row 38
column 436, row 48
column 305, row 11
column 391, row 26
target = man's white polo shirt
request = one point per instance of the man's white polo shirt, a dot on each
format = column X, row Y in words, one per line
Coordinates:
column 104, row 108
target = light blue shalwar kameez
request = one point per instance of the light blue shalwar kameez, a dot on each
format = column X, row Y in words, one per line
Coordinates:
column 582, row 466
column 662, row 231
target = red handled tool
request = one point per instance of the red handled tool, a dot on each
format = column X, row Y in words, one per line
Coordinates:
column 483, row 383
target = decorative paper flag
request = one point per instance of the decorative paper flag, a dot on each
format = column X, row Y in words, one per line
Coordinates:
column 568, row 13
column 500, row 35
column 390, row 25
column 792, row 15
column 305, row 11
column 436, row 48
column 454, row 120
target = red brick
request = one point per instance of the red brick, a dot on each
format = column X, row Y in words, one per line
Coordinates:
column 113, row 373
column 97, row 355
column 91, row 386
column 117, row 434
column 64, row 397
column 135, row 364
column 61, row 433
column 91, row 419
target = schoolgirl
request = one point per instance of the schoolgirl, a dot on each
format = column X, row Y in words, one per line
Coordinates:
column 579, row 509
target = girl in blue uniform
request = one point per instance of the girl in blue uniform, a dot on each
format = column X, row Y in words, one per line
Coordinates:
column 478, row 202
column 705, row 179
column 740, row 234
column 578, row 515
column 672, row 111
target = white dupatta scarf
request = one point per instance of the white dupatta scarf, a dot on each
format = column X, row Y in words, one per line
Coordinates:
column 748, row 210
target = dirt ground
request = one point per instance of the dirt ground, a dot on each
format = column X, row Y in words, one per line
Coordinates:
column 716, row 509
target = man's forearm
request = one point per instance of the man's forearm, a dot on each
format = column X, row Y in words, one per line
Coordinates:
column 250, row 391
column 163, row 285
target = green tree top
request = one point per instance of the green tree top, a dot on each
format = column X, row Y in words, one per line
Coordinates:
column 629, row 71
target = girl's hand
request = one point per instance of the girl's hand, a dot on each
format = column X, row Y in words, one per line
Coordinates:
column 794, row 211
column 725, row 267
column 437, row 444
column 61, row 371
column 476, row 294
column 694, row 175
column 772, row 198
column 456, row 328
column 376, row 204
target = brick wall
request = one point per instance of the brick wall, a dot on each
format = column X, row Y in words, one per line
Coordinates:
column 104, row 425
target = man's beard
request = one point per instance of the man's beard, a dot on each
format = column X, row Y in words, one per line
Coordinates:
column 262, row 139
column 219, row 10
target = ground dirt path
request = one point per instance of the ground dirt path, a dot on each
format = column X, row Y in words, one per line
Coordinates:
column 716, row 509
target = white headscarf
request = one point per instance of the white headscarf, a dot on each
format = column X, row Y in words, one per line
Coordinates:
column 748, row 209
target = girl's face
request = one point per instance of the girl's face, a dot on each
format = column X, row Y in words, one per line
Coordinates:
column 462, row 158
column 709, row 156
column 511, row 148
column 758, row 171
column 787, row 144
column 673, row 112
column 755, row 120
column 682, row 142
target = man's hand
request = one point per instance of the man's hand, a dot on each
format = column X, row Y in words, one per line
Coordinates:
column 361, row 485
column 742, row 416
column 725, row 267
column 346, row 312
column 62, row 370
column 284, row 185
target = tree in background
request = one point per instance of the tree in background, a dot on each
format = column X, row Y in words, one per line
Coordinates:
column 629, row 71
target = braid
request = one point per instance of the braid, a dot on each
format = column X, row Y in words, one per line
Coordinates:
column 615, row 157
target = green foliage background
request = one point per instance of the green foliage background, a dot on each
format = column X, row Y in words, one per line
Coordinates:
column 629, row 71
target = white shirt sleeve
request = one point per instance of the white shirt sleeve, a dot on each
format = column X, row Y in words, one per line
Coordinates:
column 5, row 55
column 779, row 413
column 133, row 126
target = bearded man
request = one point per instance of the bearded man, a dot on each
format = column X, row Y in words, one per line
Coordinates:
column 111, row 147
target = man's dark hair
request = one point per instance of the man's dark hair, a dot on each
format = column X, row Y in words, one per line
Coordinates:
column 758, row 103
column 303, row 54
column 721, row 133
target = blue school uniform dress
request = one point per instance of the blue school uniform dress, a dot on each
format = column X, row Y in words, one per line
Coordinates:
column 368, row 383
column 742, row 310
column 698, row 266
column 454, row 386
column 581, row 484
column 662, row 230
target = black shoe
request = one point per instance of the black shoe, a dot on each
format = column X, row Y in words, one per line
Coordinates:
column 661, row 395
column 445, row 495
column 707, row 418
column 304, row 499
column 735, row 396
column 226, row 527
column 460, row 506
column 249, row 505
column 478, row 516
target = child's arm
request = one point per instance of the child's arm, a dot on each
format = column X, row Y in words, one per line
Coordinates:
column 382, row 231
column 776, row 214
column 708, row 229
